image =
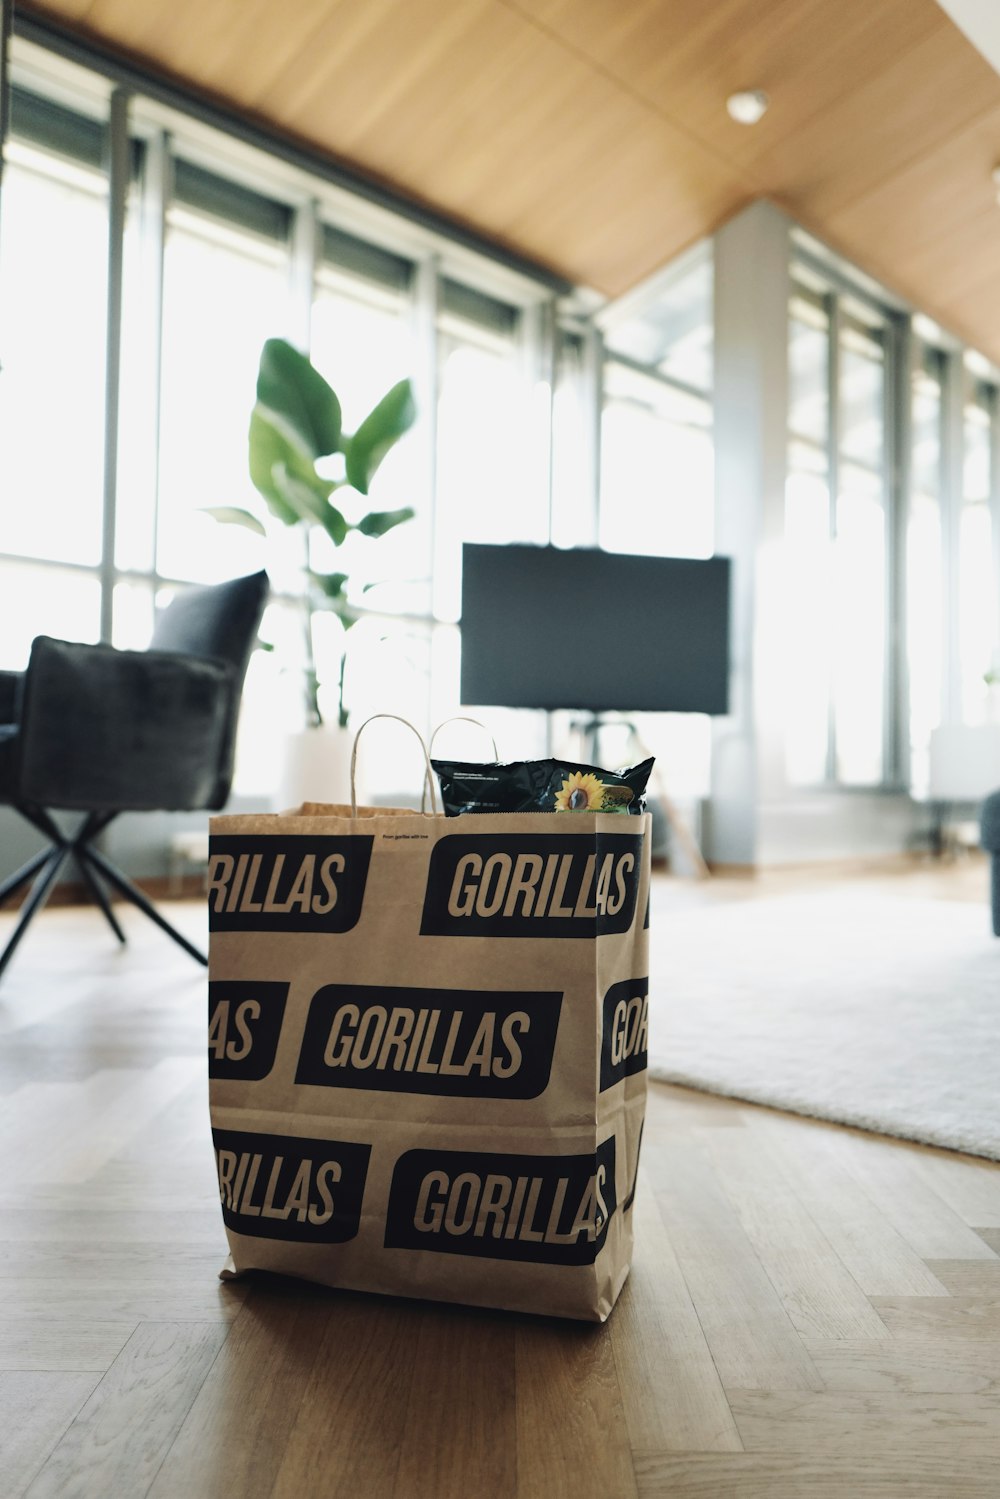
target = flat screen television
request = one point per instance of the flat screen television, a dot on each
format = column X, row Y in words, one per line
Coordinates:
column 595, row 631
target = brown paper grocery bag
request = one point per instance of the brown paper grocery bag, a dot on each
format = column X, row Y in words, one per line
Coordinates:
column 427, row 1050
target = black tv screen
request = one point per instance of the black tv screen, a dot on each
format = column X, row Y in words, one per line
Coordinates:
column 592, row 630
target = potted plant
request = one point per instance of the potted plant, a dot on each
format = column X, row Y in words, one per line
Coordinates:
column 301, row 460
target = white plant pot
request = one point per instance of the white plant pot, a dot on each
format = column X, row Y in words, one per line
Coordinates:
column 317, row 768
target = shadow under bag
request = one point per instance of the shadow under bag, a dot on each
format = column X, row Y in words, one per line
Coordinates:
column 427, row 1050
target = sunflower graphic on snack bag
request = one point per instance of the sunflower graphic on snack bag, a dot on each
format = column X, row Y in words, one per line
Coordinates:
column 580, row 792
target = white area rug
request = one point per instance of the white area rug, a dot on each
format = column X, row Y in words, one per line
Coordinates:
column 874, row 1010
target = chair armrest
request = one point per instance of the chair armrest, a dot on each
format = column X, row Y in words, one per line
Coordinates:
column 10, row 695
column 131, row 730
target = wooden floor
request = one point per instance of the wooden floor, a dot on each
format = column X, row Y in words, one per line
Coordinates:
column 812, row 1311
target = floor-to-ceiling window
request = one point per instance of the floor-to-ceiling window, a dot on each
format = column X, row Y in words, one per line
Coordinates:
column 977, row 557
column 890, row 535
column 491, row 476
column 53, row 278
column 809, row 647
column 363, row 341
column 217, row 257
column 657, row 470
column 926, row 632
column 837, row 528
column 860, row 540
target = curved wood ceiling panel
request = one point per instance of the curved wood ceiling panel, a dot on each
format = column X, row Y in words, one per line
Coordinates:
column 592, row 136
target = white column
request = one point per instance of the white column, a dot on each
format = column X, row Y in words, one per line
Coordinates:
column 751, row 418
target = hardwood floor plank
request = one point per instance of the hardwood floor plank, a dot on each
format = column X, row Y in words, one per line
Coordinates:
column 673, row 1104
column 911, row 1317
column 893, row 1424
column 346, row 1437
column 671, row 1390
column 913, row 1207
column 124, row 1103
column 909, row 1366
column 90, row 1225
column 800, row 1476
column 131, row 1264
column 973, row 1278
column 65, row 1344
column 34, row 1122
column 572, row 1439
column 818, row 1292
column 48, row 1301
column 173, row 1194
column 36, row 1005
column 464, row 1361
column 123, row 1432
column 35, row 1410
column 971, row 1188
column 859, row 1233
column 753, row 1342
column 234, row 1436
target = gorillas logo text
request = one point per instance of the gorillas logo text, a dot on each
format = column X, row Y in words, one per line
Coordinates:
column 548, row 1208
column 244, row 1023
column 625, row 1031
column 291, row 1187
column 286, row 884
column 460, row 1043
column 528, row 885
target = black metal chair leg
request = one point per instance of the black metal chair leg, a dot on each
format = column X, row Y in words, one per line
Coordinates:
column 97, row 890
column 94, row 868
column 131, row 892
column 23, row 875
column 37, row 896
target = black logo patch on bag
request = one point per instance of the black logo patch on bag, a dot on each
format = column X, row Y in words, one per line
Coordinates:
column 244, row 1023
column 286, row 883
column 531, row 885
column 457, row 1043
column 289, row 1187
column 553, row 1209
column 626, row 1031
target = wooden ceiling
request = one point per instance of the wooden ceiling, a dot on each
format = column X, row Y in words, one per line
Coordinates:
column 592, row 135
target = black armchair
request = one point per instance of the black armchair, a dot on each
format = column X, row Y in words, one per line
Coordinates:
column 94, row 730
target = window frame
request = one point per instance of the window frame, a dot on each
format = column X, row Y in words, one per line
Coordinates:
column 316, row 225
column 844, row 300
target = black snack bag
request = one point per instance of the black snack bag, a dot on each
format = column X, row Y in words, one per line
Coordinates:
column 540, row 786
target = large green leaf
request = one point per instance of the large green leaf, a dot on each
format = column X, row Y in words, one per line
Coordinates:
column 231, row 516
column 267, row 447
column 331, row 585
column 275, row 460
column 379, row 432
column 290, row 385
column 310, row 504
column 378, row 522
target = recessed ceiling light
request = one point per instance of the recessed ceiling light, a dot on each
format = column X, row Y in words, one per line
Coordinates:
column 748, row 106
